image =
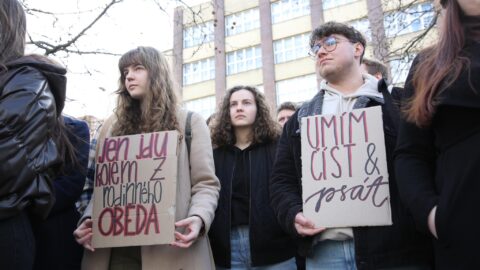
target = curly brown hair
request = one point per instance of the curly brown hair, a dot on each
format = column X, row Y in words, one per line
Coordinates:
column 160, row 113
column 265, row 129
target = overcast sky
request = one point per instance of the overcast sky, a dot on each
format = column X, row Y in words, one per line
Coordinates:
column 93, row 78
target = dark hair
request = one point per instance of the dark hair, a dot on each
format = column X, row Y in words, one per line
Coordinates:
column 374, row 67
column 264, row 128
column 287, row 106
column 160, row 113
column 211, row 118
column 13, row 27
column 330, row 28
column 439, row 66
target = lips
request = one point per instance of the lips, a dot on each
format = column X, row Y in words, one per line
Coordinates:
column 131, row 86
column 322, row 61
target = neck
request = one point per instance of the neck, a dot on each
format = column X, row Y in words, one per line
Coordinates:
column 347, row 82
column 243, row 137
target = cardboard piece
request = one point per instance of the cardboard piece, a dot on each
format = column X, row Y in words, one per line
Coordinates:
column 344, row 169
column 135, row 189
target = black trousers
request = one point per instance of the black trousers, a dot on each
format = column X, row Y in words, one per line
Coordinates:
column 17, row 243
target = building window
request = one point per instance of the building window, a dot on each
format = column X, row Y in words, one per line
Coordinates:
column 298, row 89
column 199, row 71
column 198, row 34
column 204, row 106
column 242, row 21
column 413, row 19
column 291, row 48
column 400, row 68
column 288, row 9
column 243, row 60
column 363, row 25
column 335, row 3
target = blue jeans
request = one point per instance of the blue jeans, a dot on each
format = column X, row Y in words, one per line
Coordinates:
column 332, row 255
column 240, row 257
column 17, row 243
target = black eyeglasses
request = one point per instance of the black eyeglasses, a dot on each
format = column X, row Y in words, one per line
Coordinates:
column 329, row 44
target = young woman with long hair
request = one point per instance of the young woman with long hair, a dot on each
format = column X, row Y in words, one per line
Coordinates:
column 438, row 150
column 33, row 141
column 147, row 103
column 245, row 233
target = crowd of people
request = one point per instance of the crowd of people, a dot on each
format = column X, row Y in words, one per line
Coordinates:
column 238, row 202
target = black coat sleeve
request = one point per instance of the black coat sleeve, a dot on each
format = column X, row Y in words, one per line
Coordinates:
column 415, row 159
column 69, row 186
column 285, row 184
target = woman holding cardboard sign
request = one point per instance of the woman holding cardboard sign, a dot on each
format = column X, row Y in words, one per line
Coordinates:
column 437, row 156
column 245, row 232
column 147, row 103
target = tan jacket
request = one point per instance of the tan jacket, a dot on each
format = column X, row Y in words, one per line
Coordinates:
column 197, row 194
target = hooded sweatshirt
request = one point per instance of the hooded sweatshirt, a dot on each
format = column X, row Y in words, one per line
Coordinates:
column 335, row 102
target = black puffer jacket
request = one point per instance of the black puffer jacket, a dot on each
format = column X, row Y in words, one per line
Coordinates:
column 32, row 94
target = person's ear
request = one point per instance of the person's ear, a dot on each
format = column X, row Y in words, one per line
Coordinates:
column 358, row 49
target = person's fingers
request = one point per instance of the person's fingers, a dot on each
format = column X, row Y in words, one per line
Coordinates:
column 80, row 233
column 183, row 222
column 86, row 241
column 303, row 221
column 183, row 241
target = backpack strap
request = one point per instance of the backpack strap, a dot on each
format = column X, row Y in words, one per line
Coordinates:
column 188, row 132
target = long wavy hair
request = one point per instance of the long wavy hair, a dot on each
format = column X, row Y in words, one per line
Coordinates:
column 13, row 27
column 439, row 66
column 265, row 129
column 160, row 112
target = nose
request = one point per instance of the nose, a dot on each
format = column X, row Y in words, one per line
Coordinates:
column 239, row 107
column 321, row 51
column 129, row 76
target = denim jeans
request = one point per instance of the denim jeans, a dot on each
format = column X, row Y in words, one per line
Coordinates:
column 240, row 257
column 17, row 243
column 332, row 255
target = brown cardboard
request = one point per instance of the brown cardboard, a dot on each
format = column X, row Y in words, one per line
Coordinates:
column 135, row 189
column 344, row 169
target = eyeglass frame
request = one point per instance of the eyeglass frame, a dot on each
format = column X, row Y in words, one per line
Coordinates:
column 317, row 46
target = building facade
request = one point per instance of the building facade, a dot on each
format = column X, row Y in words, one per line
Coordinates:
column 264, row 43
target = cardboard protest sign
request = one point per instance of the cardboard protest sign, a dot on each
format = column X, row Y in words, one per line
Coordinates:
column 135, row 189
column 344, row 169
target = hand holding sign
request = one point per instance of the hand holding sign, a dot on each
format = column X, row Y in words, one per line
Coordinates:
column 193, row 226
column 83, row 234
column 306, row 227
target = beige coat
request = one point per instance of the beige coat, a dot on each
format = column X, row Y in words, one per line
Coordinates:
column 197, row 194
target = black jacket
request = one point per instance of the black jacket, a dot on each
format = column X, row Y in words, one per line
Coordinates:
column 440, row 165
column 268, row 243
column 375, row 247
column 32, row 95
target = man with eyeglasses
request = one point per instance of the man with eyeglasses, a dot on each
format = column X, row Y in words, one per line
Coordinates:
column 337, row 50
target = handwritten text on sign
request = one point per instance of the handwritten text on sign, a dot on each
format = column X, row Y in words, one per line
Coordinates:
column 134, row 190
column 344, row 169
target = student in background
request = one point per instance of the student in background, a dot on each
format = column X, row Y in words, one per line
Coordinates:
column 245, row 233
column 285, row 111
column 147, row 103
column 437, row 156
